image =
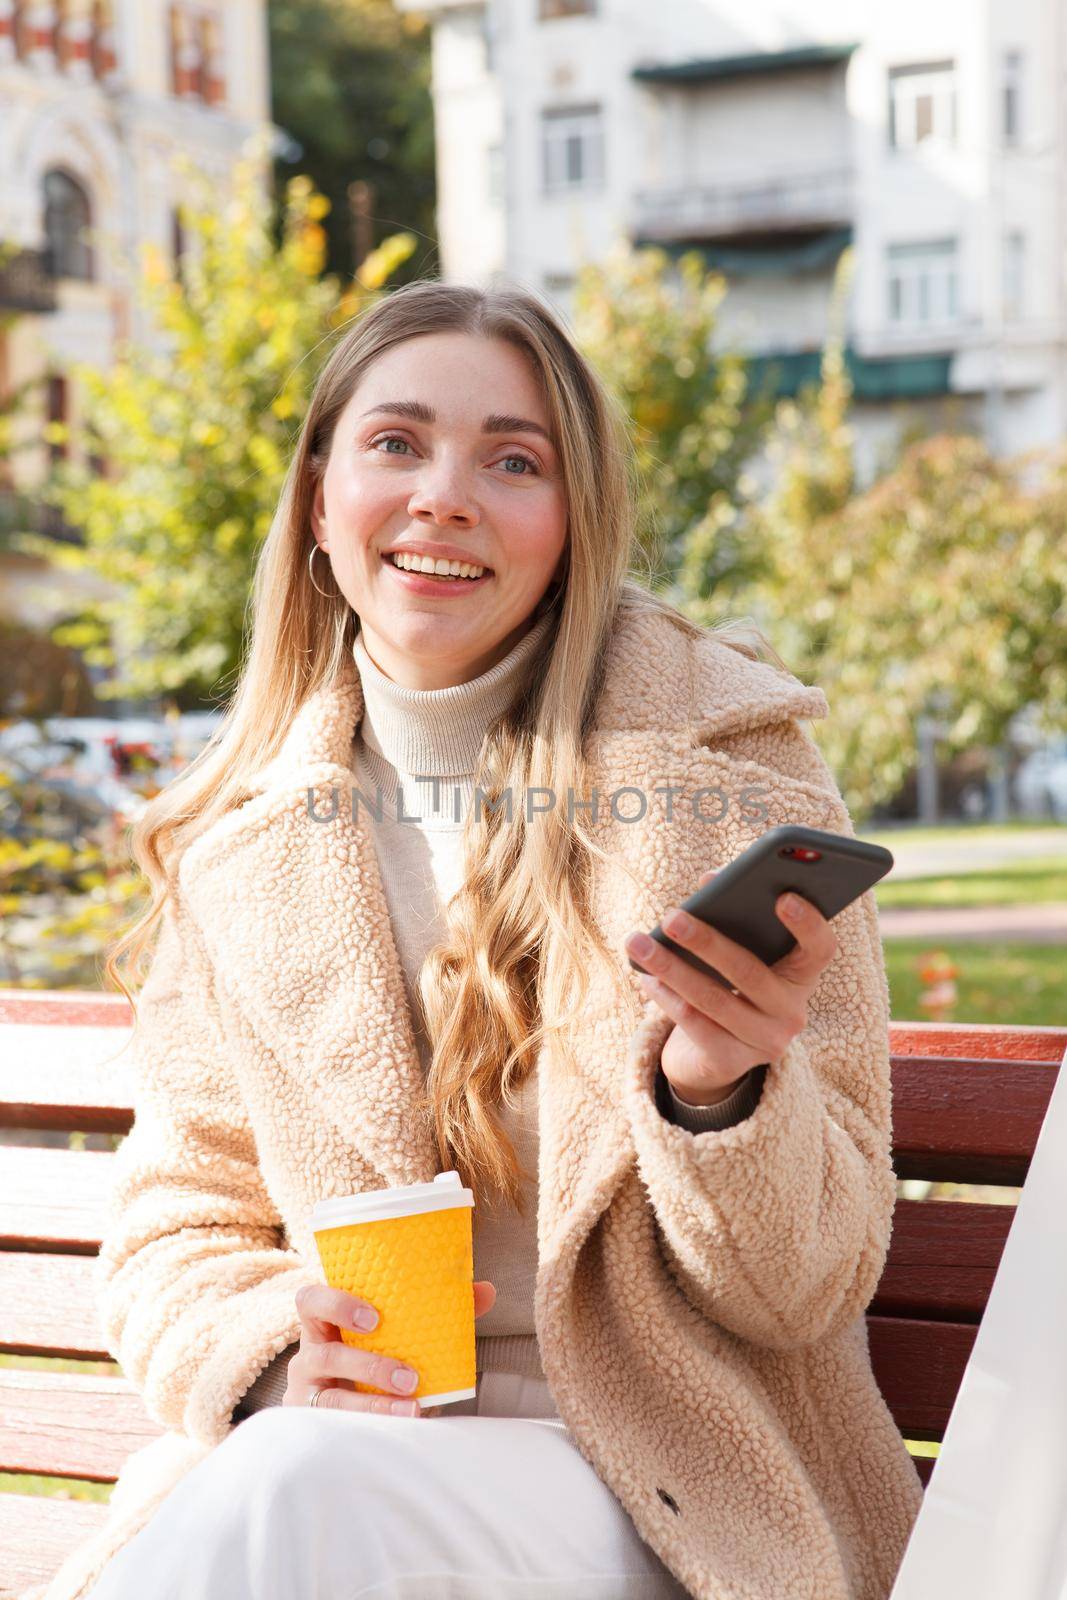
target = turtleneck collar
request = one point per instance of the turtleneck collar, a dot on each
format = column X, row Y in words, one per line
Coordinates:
column 439, row 732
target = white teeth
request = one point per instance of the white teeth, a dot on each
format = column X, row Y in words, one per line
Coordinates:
column 440, row 568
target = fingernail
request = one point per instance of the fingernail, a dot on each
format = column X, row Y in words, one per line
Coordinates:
column 403, row 1379
column 641, row 945
column 365, row 1318
column 791, row 906
column 405, row 1408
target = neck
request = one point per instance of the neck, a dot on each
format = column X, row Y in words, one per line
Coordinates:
column 408, row 671
column 440, row 731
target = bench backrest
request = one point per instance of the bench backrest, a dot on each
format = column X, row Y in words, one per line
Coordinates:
column 968, row 1102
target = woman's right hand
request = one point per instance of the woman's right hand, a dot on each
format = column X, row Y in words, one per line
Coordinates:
column 325, row 1362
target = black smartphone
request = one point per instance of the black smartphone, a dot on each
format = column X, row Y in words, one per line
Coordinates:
column 829, row 869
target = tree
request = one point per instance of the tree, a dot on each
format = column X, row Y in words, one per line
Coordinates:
column 350, row 84
column 198, row 433
column 947, row 578
column 648, row 325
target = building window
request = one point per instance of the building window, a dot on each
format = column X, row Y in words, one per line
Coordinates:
column 559, row 289
column 1014, row 275
column 58, row 450
column 548, row 9
column 69, row 34
column 572, row 145
column 1011, row 98
column 61, row 33
column 13, row 27
column 67, row 217
column 559, row 292
column 923, row 283
column 922, row 104
column 102, row 39
column 196, row 57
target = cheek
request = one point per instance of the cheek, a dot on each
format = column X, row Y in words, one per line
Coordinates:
column 355, row 499
column 537, row 532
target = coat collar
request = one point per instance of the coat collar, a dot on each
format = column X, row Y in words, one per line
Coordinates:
column 656, row 681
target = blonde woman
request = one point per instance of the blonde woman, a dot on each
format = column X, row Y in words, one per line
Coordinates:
column 683, row 1193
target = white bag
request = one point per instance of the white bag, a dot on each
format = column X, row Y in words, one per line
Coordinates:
column 993, row 1525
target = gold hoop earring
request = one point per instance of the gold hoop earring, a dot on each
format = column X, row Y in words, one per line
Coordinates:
column 311, row 572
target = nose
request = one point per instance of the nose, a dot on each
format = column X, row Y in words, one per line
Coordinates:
column 443, row 495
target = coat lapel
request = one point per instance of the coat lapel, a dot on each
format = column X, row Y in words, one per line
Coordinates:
column 294, row 914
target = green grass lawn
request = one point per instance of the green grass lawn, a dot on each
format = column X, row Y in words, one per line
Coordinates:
column 1003, row 982
column 1039, row 880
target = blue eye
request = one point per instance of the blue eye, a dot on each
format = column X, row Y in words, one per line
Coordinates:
column 396, row 438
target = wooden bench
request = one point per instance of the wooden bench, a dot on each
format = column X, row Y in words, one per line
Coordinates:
column 968, row 1105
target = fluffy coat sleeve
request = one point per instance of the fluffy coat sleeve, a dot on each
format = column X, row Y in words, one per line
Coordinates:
column 195, row 1289
column 777, row 1228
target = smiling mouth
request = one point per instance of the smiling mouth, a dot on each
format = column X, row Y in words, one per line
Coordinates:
column 442, row 577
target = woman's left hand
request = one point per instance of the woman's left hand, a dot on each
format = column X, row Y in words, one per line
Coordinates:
column 719, row 1035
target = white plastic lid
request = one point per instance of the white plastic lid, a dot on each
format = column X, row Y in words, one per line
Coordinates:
column 445, row 1192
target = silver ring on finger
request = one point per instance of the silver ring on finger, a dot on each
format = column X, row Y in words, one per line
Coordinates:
column 315, row 1396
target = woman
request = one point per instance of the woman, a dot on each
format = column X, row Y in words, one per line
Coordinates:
column 675, row 1395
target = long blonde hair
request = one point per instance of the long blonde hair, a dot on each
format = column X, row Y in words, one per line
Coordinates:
column 512, row 965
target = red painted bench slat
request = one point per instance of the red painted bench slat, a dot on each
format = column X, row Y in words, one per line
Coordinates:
column 919, row 1367
column 48, row 1306
column 74, row 1426
column 53, row 1198
column 943, row 1256
column 37, row 1534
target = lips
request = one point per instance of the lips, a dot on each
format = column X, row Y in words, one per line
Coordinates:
column 445, row 554
column 429, row 583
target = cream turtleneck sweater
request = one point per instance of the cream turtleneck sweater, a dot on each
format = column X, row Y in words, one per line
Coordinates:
column 408, row 735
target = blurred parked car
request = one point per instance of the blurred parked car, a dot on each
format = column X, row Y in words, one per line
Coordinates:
column 98, row 768
column 1041, row 781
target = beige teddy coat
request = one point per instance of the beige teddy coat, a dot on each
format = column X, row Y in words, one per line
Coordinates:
column 700, row 1297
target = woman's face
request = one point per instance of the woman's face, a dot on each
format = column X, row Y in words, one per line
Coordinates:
column 473, row 475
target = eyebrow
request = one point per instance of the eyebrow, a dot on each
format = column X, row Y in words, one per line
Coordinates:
column 496, row 422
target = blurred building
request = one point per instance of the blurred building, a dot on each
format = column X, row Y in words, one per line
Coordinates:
column 96, row 98
column 770, row 135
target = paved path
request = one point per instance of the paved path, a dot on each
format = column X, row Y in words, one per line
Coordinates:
column 1029, row 924
column 1036, row 924
column 921, row 860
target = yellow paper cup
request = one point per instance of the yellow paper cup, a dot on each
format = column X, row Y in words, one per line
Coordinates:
column 409, row 1252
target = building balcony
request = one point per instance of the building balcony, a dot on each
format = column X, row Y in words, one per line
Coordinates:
column 758, row 64
column 26, row 283
column 903, row 377
column 790, row 204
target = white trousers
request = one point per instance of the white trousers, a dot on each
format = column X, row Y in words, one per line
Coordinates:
column 489, row 1500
